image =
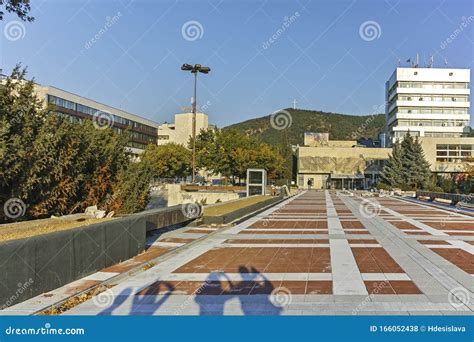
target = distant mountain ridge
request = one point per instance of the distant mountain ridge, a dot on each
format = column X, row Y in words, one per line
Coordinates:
column 339, row 126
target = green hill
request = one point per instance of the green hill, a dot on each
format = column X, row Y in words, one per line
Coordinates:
column 339, row 126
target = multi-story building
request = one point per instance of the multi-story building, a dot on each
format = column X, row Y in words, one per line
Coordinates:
column 433, row 105
column 77, row 108
column 181, row 130
column 428, row 102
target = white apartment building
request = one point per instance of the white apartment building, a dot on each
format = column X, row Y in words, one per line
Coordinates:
column 181, row 130
column 428, row 102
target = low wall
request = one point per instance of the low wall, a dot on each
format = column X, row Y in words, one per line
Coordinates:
column 164, row 217
column 177, row 196
column 229, row 217
column 454, row 198
column 31, row 266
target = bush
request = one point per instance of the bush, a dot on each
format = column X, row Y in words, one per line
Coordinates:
column 433, row 188
column 383, row 186
column 56, row 167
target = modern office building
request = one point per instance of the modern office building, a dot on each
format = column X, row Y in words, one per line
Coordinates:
column 428, row 102
column 181, row 130
column 78, row 108
column 433, row 105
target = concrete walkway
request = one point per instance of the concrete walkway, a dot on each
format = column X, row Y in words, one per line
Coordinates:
column 317, row 253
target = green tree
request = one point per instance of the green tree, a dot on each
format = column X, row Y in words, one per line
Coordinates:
column 392, row 173
column 58, row 167
column 230, row 153
column 20, row 7
column 407, row 167
column 168, row 161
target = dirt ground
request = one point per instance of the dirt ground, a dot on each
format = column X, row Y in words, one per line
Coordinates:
column 233, row 205
column 19, row 230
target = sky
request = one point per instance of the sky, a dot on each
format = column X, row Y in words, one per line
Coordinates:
column 333, row 56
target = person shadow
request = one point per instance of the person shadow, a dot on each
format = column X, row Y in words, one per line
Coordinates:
column 152, row 298
column 224, row 289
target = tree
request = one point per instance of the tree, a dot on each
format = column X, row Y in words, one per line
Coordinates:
column 20, row 7
column 58, row 167
column 230, row 153
column 392, row 173
column 420, row 173
column 168, row 161
column 407, row 167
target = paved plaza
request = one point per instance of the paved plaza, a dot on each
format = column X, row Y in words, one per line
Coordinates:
column 317, row 253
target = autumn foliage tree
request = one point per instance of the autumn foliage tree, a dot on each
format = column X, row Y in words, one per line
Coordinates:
column 58, row 167
column 230, row 153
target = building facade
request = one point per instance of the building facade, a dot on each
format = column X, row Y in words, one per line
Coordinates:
column 181, row 130
column 428, row 102
column 77, row 108
column 339, row 164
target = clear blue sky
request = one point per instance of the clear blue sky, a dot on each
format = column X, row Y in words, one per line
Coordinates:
column 320, row 59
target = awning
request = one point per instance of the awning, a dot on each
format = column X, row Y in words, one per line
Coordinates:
column 346, row 176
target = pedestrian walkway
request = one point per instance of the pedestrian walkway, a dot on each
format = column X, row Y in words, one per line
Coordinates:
column 315, row 253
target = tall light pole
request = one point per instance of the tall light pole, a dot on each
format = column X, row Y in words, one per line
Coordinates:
column 194, row 70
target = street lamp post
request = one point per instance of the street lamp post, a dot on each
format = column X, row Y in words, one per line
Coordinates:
column 194, row 70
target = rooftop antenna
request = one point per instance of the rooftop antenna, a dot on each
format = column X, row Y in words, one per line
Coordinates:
column 431, row 62
column 417, row 62
column 445, row 61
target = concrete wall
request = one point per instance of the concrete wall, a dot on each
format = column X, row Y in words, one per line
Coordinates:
column 177, row 196
column 31, row 266
column 48, row 261
column 429, row 147
column 182, row 129
column 343, row 160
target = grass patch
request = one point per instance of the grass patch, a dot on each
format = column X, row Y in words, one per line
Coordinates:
column 225, row 208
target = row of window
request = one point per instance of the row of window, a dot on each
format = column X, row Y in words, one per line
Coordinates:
column 91, row 111
column 433, row 98
column 402, row 134
column 137, row 135
column 450, row 160
column 136, row 145
column 429, row 85
column 428, row 110
column 454, row 147
column 442, row 135
column 432, row 123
